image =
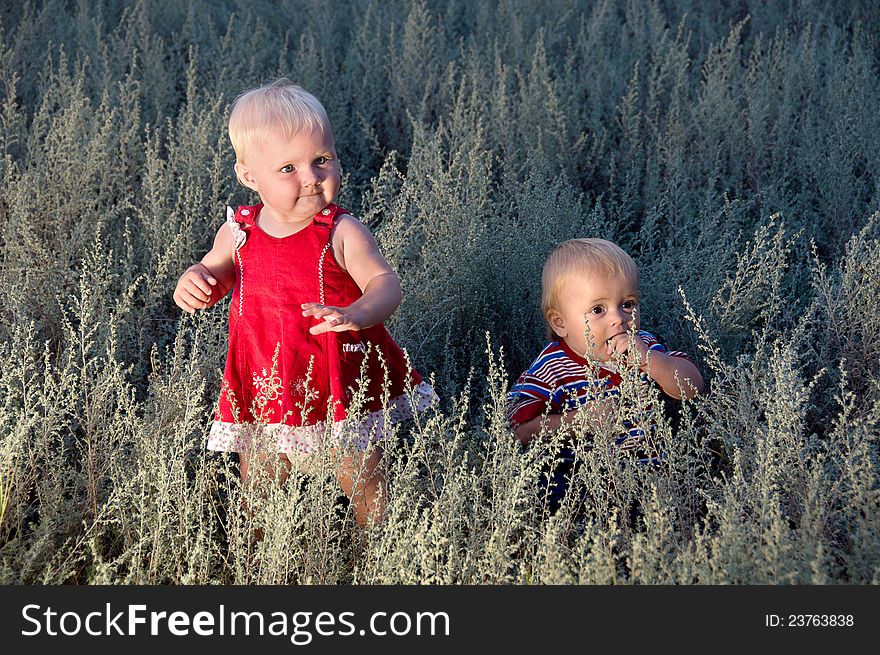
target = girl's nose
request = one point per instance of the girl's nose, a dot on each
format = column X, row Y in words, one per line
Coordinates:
column 311, row 179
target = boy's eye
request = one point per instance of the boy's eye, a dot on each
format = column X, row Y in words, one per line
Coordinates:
column 628, row 305
column 320, row 161
column 597, row 310
column 287, row 169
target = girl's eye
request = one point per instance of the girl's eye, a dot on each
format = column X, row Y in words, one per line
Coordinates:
column 287, row 169
column 628, row 305
column 320, row 161
column 597, row 310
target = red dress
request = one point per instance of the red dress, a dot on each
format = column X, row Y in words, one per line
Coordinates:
column 282, row 381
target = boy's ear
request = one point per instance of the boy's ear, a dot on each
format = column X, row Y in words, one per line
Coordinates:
column 557, row 323
column 245, row 177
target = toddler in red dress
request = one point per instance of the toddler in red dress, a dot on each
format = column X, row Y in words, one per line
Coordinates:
column 310, row 293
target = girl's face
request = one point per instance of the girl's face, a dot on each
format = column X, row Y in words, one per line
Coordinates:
column 296, row 177
column 593, row 308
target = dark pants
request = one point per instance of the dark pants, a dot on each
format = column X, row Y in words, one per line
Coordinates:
column 555, row 482
column 556, row 478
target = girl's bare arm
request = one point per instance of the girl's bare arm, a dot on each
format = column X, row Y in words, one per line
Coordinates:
column 356, row 251
column 202, row 285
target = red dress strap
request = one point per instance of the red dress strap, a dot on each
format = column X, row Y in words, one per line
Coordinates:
column 327, row 217
column 329, row 214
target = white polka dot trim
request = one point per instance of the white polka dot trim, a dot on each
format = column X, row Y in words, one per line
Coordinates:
column 304, row 439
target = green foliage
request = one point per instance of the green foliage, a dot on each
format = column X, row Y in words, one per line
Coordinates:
column 730, row 147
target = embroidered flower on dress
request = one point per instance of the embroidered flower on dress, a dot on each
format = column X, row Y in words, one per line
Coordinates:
column 300, row 387
column 268, row 387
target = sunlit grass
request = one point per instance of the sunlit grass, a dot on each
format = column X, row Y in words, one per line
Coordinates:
column 735, row 157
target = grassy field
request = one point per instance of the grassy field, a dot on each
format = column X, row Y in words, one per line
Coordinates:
column 733, row 148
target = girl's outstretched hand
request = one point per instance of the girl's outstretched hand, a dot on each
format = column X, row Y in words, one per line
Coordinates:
column 336, row 319
column 195, row 289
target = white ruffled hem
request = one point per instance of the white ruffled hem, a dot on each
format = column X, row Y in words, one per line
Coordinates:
column 302, row 440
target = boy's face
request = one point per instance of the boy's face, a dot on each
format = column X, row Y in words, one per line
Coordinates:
column 593, row 309
column 296, row 177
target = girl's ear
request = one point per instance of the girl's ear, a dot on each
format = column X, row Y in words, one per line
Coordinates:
column 557, row 323
column 245, row 177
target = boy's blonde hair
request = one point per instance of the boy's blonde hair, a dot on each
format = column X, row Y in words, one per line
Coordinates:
column 279, row 105
column 577, row 257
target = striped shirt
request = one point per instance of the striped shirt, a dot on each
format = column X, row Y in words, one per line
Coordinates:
column 558, row 381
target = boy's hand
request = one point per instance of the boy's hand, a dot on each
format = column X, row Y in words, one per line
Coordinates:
column 619, row 344
column 194, row 289
column 336, row 319
column 667, row 371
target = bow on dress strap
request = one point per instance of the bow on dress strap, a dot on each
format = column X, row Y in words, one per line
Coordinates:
column 238, row 221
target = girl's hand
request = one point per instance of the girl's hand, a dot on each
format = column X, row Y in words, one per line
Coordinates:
column 336, row 319
column 194, row 289
column 204, row 284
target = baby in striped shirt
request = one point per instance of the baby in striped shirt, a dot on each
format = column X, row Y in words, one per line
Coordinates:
column 590, row 300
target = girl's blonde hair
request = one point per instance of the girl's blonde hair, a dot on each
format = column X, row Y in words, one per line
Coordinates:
column 578, row 257
column 279, row 105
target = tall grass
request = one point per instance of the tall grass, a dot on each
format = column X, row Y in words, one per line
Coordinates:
column 732, row 148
